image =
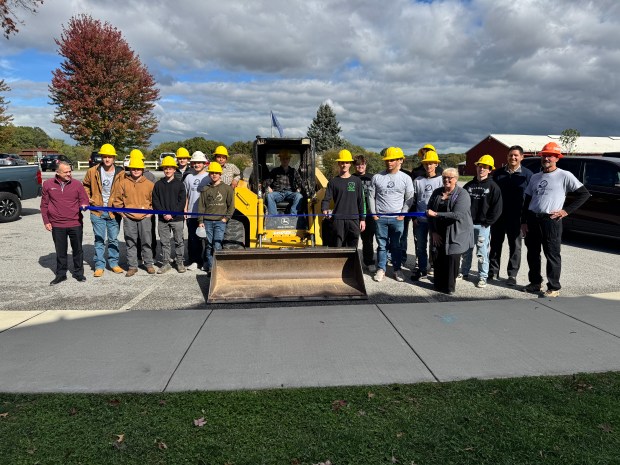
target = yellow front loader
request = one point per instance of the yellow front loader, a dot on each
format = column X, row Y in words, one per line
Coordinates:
column 281, row 257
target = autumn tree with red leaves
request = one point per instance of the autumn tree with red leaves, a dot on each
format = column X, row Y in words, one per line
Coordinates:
column 8, row 13
column 102, row 92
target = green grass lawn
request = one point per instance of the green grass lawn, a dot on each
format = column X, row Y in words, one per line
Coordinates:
column 551, row 420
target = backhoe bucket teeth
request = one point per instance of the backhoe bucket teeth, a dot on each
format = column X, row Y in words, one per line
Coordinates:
column 263, row 275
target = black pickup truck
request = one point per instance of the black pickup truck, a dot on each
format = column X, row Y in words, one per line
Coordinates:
column 17, row 183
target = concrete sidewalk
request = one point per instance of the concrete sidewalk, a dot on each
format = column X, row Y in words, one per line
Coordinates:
column 155, row 351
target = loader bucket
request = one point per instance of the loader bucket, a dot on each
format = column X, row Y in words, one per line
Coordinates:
column 264, row 275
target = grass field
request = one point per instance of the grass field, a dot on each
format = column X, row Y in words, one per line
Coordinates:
column 551, row 420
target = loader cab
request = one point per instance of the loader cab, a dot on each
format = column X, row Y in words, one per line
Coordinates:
column 266, row 158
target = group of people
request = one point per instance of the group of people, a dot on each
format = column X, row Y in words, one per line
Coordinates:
column 191, row 189
column 449, row 222
column 452, row 221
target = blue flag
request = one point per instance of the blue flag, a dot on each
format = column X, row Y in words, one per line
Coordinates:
column 276, row 123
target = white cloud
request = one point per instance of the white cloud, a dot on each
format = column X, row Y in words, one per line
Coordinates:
column 398, row 73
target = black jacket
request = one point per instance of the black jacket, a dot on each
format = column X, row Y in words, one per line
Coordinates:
column 513, row 187
column 169, row 196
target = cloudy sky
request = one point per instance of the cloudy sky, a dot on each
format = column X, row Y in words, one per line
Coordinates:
column 396, row 72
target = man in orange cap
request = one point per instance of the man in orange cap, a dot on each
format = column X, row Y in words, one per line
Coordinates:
column 541, row 219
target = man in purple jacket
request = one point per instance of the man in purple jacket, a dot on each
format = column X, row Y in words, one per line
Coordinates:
column 61, row 200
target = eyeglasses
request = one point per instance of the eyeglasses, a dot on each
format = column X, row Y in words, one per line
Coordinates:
column 448, row 178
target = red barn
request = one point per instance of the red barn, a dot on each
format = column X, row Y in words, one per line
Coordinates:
column 497, row 146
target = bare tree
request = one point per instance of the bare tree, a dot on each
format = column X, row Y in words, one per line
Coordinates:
column 8, row 13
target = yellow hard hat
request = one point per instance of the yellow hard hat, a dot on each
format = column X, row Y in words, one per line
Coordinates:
column 220, row 150
column 486, row 160
column 136, row 160
column 107, row 150
column 425, row 149
column 214, row 167
column 431, row 157
column 393, row 153
column 168, row 162
column 136, row 153
column 182, row 153
column 345, row 156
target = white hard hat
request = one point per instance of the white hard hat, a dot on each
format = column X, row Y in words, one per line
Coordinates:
column 199, row 156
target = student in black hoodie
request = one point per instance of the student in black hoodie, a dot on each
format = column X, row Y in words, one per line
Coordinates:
column 169, row 195
column 486, row 208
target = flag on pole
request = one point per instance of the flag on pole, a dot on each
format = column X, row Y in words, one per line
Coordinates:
column 276, row 123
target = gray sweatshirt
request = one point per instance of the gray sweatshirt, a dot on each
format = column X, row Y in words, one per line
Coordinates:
column 390, row 193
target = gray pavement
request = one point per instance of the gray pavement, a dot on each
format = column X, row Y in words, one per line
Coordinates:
column 156, row 351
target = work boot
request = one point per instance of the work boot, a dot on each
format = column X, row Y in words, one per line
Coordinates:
column 117, row 269
column 164, row 269
column 131, row 272
column 534, row 288
column 150, row 269
column 180, row 267
column 98, row 273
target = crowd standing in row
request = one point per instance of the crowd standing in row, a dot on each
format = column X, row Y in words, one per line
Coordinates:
column 449, row 221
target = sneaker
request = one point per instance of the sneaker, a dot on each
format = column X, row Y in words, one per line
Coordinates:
column 372, row 268
column 482, row 283
column 491, row 277
column 150, row 269
column 164, row 269
column 131, row 272
column 430, row 271
column 533, row 288
column 551, row 293
column 511, row 281
column 117, row 269
column 98, row 273
column 379, row 275
column 462, row 276
column 180, row 267
column 191, row 266
column 398, row 276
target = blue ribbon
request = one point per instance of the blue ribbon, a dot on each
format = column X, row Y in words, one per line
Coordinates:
column 174, row 213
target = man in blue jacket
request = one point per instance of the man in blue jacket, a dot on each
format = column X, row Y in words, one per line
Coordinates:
column 512, row 180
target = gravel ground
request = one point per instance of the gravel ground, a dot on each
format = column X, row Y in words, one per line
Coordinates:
column 590, row 265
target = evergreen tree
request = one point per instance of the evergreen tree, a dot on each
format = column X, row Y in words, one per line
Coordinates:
column 325, row 129
column 102, row 91
column 5, row 118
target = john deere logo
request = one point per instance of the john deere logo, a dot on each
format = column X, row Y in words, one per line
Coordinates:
column 285, row 221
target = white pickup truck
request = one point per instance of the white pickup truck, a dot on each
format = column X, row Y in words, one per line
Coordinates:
column 17, row 183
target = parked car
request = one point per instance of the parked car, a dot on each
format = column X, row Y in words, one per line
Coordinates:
column 600, row 215
column 11, row 159
column 94, row 159
column 50, row 162
column 17, row 183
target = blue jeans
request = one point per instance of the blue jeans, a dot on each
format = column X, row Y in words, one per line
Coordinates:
column 103, row 225
column 482, row 234
column 389, row 228
column 420, row 233
column 215, row 236
column 273, row 198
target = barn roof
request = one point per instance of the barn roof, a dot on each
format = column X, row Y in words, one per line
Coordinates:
column 584, row 144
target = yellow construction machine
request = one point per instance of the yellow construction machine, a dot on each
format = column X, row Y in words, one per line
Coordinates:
column 280, row 257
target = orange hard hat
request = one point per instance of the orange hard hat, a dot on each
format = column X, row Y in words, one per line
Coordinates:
column 551, row 149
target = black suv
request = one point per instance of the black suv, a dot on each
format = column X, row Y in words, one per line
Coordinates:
column 600, row 215
column 94, row 159
column 50, row 162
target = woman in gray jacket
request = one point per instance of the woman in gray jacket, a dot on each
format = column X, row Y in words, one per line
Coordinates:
column 451, row 228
